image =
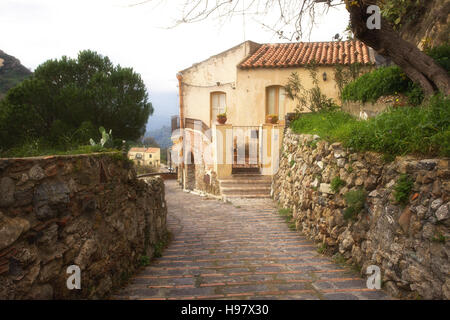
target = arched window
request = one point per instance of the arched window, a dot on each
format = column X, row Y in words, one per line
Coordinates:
column 218, row 104
column 275, row 98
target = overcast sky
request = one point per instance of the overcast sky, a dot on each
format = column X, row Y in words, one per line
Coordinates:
column 133, row 36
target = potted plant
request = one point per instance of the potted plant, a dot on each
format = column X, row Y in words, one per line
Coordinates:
column 222, row 118
column 272, row 118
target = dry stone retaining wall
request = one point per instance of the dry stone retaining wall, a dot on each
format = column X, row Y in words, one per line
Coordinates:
column 84, row 210
column 410, row 243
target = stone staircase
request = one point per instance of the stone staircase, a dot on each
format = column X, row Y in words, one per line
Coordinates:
column 246, row 185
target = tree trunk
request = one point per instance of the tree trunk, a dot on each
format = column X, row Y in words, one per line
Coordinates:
column 419, row 67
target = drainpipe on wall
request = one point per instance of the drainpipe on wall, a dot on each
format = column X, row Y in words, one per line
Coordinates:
column 180, row 89
column 180, row 92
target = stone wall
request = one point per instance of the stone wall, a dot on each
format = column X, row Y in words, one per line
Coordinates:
column 365, row 110
column 84, row 210
column 409, row 242
column 206, row 180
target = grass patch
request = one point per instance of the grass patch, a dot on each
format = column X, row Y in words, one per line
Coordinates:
column 355, row 203
column 423, row 130
column 337, row 183
column 144, row 261
column 338, row 258
column 439, row 238
column 322, row 248
column 403, row 188
column 286, row 213
column 35, row 149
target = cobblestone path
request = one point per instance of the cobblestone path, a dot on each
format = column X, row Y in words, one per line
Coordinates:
column 239, row 250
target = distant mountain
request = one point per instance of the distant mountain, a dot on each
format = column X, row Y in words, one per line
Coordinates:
column 11, row 72
column 165, row 105
column 162, row 136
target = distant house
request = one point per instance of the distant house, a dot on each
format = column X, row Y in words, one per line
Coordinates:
column 145, row 156
column 247, row 82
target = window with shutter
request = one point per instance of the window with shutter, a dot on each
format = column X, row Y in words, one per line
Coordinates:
column 275, row 101
column 218, row 104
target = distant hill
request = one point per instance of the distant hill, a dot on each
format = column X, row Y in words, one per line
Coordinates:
column 162, row 136
column 11, row 72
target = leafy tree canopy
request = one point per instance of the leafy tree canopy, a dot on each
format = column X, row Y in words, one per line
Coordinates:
column 67, row 100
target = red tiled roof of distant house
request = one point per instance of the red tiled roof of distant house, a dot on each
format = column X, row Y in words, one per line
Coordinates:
column 138, row 149
column 284, row 55
column 145, row 150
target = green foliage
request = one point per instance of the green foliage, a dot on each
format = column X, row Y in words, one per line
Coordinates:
column 158, row 247
column 64, row 99
column 105, row 141
column 322, row 248
column 379, row 82
column 355, row 203
column 439, row 238
column 324, row 124
column 144, row 261
column 399, row 12
column 403, row 189
column 343, row 75
column 312, row 144
column 337, row 183
column 441, row 54
column 308, row 99
column 120, row 157
column 392, row 80
column 338, row 258
column 39, row 148
column 292, row 163
column 286, row 213
column 409, row 130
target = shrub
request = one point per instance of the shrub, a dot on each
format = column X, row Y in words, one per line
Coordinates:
column 337, row 183
column 380, row 82
column 441, row 54
column 144, row 261
column 392, row 80
column 355, row 203
column 403, row 189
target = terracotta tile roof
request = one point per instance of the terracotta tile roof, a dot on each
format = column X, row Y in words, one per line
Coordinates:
column 138, row 149
column 144, row 150
column 283, row 55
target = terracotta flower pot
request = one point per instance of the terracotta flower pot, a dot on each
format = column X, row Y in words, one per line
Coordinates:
column 221, row 119
column 273, row 119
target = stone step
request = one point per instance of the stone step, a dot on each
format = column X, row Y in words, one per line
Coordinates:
column 255, row 177
column 244, row 182
column 250, row 176
column 244, row 190
column 246, row 185
column 247, row 196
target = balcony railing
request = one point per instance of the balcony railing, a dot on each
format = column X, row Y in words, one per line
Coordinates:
column 190, row 123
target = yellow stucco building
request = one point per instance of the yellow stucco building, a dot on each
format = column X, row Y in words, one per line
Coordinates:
column 145, row 156
column 247, row 82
